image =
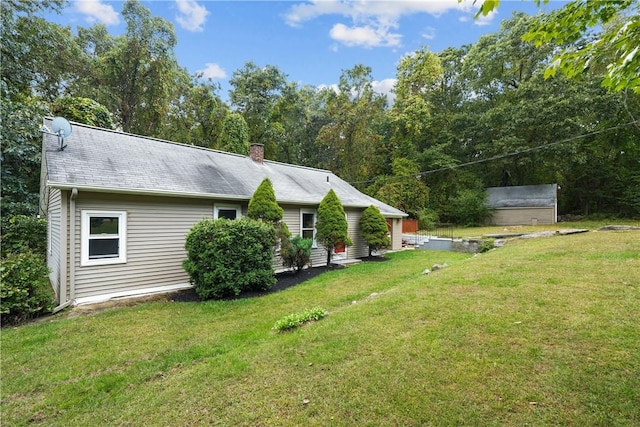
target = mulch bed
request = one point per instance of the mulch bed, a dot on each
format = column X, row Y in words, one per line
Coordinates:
column 285, row 280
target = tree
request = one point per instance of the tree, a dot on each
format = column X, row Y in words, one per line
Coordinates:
column 350, row 138
column 37, row 56
column 141, row 70
column 263, row 204
column 255, row 92
column 374, row 229
column 618, row 41
column 404, row 190
column 21, row 143
column 196, row 114
column 83, row 110
column 234, row 136
column 331, row 227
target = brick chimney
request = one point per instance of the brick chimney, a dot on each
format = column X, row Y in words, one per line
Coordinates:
column 256, row 152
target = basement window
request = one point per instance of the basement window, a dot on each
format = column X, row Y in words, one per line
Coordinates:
column 103, row 235
column 227, row 211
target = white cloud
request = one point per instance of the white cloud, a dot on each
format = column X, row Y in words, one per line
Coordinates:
column 429, row 33
column 366, row 36
column 485, row 20
column 192, row 15
column 96, row 11
column 212, row 71
column 385, row 87
column 371, row 20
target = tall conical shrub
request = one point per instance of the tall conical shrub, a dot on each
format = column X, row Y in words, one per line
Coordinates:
column 374, row 229
column 331, row 227
column 263, row 204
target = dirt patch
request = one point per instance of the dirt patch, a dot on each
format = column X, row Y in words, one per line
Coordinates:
column 284, row 280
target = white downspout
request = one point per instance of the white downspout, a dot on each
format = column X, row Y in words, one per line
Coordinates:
column 72, row 245
column 72, row 252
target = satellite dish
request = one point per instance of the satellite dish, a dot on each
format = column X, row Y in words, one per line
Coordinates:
column 62, row 128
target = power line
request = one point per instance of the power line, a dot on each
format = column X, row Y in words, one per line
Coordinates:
column 500, row 156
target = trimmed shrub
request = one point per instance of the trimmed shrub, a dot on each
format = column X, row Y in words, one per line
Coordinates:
column 263, row 204
column 332, row 227
column 296, row 253
column 24, row 287
column 23, row 233
column 374, row 229
column 227, row 257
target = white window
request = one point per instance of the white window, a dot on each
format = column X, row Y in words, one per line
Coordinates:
column 104, row 237
column 308, row 226
column 227, row 211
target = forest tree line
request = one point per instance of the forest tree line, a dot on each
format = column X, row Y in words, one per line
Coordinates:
column 463, row 119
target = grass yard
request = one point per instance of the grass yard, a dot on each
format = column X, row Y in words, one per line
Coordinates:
column 539, row 332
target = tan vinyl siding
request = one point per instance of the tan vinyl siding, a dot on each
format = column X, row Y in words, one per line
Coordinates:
column 360, row 248
column 524, row 216
column 54, row 234
column 291, row 217
column 156, row 230
column 396, row 234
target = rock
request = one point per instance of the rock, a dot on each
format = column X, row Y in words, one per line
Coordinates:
column 567, row 231
column 426, row 271
column 499, row 243
column 618, row 228
column 536, row 235
column 306, row 401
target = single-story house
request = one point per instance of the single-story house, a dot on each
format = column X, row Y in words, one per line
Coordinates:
column 523, row 204
column 119, row 207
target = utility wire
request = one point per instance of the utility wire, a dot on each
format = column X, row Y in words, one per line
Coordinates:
column 500, row 156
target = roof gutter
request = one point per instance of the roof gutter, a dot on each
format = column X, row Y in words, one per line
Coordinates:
column 168, row 193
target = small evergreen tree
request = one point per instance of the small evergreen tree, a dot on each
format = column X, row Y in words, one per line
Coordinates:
column 331, row 225
column 374, row 228
column 263, row 205
column 296, row 253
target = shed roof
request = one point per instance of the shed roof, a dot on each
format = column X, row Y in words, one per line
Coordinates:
column 109, row 161
column 522, row 196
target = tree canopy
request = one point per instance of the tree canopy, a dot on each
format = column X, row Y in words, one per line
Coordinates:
column 495, row 112
column 616, row 47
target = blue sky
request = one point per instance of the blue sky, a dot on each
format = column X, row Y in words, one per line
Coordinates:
column 310, row 41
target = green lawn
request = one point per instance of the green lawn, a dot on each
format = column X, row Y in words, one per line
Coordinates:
column 538, row 332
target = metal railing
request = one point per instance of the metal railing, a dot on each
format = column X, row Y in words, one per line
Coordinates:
column 439, row 230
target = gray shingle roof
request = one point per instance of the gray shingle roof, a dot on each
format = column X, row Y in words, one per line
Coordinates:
column 522, row 196
column 105, row 160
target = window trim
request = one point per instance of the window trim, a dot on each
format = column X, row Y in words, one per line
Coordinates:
column 315, row 219
column 85, row 221
column 228, row 207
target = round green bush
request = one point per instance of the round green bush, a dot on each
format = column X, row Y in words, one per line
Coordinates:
column 227, row 257
column 24, row 287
